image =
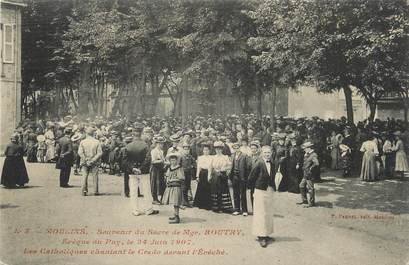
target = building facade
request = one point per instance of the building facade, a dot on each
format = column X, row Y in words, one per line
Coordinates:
column 10, row 68
column 307, row 102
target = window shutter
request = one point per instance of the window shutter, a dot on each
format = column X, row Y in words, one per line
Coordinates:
column 8, row 46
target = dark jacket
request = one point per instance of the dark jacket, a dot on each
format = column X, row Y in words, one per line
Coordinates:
column 244, row 166
column 135, row 155
column 64, row 153
column 311, row 166
column 259, row 177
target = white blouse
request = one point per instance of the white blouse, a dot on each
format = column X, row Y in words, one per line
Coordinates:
column 370, row 146
column 204, row 162
column 220, row 163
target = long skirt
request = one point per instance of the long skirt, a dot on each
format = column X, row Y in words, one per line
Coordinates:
column 14, row 172
column 50, row 153
column 157, row 179
column 263, row 214
column 389, row 164
column 31, row 153
column 401, row 162
column 221, row 200
column 369, row 170
column 203, row 199
column 335, row 158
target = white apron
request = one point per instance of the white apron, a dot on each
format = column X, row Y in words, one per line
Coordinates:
column 263, row 212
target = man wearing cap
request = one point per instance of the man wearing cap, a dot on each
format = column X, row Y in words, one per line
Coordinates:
column 90, row 152
column 310, row 168
column 65, row 158
column 241, row 166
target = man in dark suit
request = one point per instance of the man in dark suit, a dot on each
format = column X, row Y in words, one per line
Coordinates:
column 65, row 158
column 263, row 179
column 241, row 167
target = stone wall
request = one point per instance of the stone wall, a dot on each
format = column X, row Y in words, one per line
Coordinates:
column 10, row 76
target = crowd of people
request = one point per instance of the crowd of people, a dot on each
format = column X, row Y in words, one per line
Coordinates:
column 238, row 151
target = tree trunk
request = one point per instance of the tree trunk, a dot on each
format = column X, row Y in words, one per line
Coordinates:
column 273, row 108
column 184, row 101
column 258, row 98
column 84, row 89
column 348, row 102
column 372, row 111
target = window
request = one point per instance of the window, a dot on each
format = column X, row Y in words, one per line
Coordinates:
column 8, row 45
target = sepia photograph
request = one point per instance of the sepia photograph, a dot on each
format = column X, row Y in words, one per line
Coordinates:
column 205, row 132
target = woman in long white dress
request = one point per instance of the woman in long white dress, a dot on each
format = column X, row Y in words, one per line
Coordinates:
column 401, row 161
column 369, row 171
column 50, row 143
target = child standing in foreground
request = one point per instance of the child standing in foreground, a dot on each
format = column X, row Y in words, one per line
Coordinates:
column 173, row 194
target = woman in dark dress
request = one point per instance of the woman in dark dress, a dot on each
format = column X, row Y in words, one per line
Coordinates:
column 31, row 147
column 203, row 199
column 14, row 169
column 220, row 164
column 295, row 162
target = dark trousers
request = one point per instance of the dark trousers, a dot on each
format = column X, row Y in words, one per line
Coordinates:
column 307, row 185
column 239, row 195
column 65, row 176
column 126, row 184
column 186, row 186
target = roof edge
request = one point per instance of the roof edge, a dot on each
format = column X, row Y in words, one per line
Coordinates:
column 12, row 3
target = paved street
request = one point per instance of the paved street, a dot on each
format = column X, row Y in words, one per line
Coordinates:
column 354, row 223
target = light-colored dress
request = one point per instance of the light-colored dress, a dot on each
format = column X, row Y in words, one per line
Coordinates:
column 173, row 194
column 50, row 143
column 369, row 171
column 401, row 161
column 335, row 152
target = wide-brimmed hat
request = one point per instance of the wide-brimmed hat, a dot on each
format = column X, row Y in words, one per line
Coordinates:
column 189, row 132
column 307, row 145
column 128, row 139
column 175, row 137
column 173, row 154
column 218, row 144
column 255, row 143
column 397, row 133
column 158, row 139
column 76, row 137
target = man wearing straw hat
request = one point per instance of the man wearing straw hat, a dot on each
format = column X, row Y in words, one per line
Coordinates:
column 310, row 166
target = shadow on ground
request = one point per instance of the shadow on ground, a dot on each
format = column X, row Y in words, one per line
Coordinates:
column 390, row 195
